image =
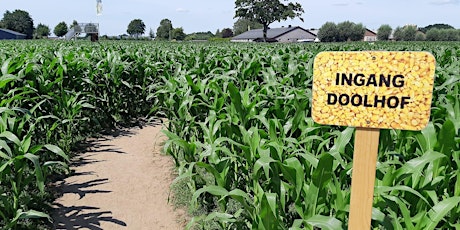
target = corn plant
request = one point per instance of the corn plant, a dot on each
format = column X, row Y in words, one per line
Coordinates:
column 239, row 128
column 20, row 166
column 241, row 116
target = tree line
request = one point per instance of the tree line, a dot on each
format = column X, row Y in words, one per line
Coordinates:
column 436, row 32
column 342, row 32
column 20, row 21
column 250, row 14
column 349, row 31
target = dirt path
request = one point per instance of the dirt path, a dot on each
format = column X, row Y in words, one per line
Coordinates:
column 121, row 182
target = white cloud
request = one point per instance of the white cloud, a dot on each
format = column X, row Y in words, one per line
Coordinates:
column 182, row 10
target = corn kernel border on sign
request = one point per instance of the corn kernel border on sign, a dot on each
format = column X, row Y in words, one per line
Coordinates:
column 373, row 89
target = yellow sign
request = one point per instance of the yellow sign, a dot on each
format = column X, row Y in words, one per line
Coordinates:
column 375, row 89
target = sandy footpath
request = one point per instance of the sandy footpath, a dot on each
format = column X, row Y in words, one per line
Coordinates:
column 121, row 182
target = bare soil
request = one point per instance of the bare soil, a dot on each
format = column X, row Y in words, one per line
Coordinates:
column 121, row 181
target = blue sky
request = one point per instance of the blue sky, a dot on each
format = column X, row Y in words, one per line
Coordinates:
column 210, row 15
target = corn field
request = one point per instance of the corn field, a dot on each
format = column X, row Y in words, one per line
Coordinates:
column 239, row 129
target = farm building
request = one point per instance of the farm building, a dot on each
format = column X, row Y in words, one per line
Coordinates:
column 9, row 34
column 314, row 31
column 370, row 36
column 283, row 34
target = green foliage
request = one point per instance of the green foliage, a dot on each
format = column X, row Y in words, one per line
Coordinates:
column 244, row 118
column 398, row 34
column 436, row 26
column 443, row 35
column 349, row 31
column 406, row 33
column 200, row 36
column 419, row 36
column 48, row 102
column 74, row 24
column 136, row 27
column 328, row 32
column 60, row 29
column 433, row 35
column 227, row 33
column 151, row 34
column 164, row 30
column 218, row 34
column 240, row 131
column 384, row 32
column 242, row 25
column 178, row 34
column 21, row 166
column 19, row 21
column 42, row 31
column 342, row 32
column 267, row 12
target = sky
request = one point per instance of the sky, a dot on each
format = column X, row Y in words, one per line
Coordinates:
column 210, row 15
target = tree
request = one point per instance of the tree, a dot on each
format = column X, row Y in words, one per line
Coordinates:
column 436, row 26
column 199, row 36
column 344, row 31
column 151, row 34
column 358, row 32
column 74, row 23
column 406, row 33
column 420, row 36
column 443, row 35
column 349, row 31
column 178, row 34
column 384, row 32
column 218, row 33
column 242, row 25
column 60, row 29
column 449, row 35
column 267, row 12
column 42, row 31
column 398, row 34
column 328, row 32
column 136, row 27
column 433, row 35
column 19, row 21
column 75, row 26
column 227, row 33
column 409, row 33
column 164, row 30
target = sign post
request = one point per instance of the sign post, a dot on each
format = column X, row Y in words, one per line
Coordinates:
column 371, row 90
column 362, row 183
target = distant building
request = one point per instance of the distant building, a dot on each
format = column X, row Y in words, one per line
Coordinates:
column 370, row 36
column 9, row 34
column 283, row 34
column 314, row 31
